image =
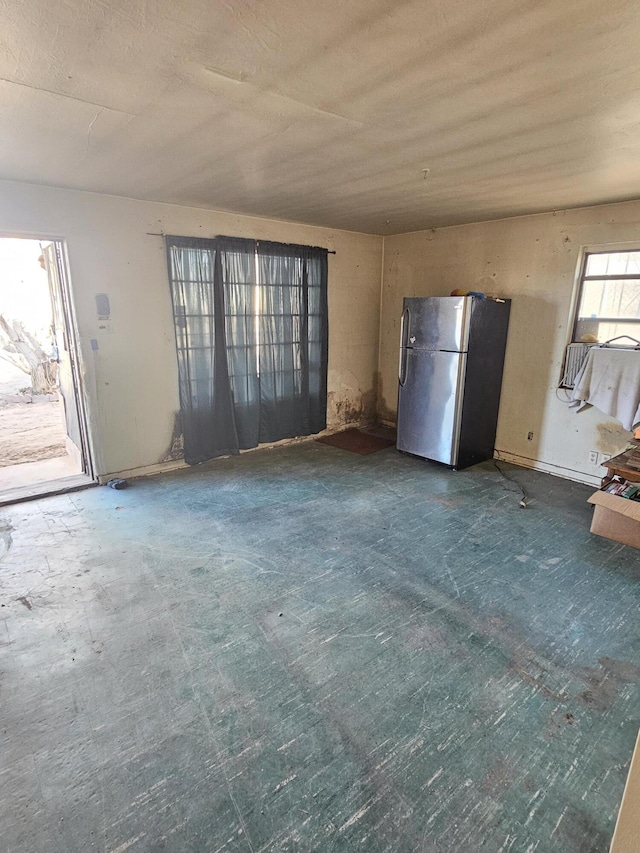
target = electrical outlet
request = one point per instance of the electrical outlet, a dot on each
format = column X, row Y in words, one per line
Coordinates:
column 604, row 457
column 529, row 436
column 593, row 457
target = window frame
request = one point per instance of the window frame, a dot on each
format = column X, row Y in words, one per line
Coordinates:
column 581, row 277
column 576, row 294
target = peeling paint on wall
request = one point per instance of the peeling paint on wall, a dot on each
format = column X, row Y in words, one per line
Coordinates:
column 351, row 409
column 176, row 447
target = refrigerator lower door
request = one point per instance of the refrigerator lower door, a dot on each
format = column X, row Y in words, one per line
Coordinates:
column 430, row 404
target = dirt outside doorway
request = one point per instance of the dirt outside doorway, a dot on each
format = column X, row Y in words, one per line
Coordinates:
column 31, row 425
column 35, row 447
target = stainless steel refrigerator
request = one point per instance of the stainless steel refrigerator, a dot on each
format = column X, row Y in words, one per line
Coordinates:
column 451, row 359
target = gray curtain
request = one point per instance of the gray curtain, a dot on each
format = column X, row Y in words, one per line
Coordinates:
column 293, row 340
column 235, row 393
column 238, row 285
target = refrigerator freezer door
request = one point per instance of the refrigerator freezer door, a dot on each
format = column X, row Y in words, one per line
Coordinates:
column 429, row 404
column 436, row 322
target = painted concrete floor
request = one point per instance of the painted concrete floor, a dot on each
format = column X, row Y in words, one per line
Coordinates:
column 308, row 650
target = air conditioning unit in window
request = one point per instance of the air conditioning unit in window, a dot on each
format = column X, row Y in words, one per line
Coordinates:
column 574, row 359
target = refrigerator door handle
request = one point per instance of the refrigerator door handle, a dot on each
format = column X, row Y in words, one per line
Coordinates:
column 405, row 321
column 405, row 324
column 402, row 367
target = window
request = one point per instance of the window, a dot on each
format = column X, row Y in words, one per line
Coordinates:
column 609, row 297
column 251, row 326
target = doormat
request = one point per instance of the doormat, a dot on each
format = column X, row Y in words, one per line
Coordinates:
column 356, row 441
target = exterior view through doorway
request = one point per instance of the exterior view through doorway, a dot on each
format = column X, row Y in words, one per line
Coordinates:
column 44, row 446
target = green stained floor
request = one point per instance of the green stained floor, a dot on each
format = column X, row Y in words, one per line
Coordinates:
column 307, row 650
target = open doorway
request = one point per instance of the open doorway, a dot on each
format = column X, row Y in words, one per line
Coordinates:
column 44, row 445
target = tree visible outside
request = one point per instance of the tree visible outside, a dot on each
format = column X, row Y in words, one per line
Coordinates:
column 24, row 351
column 31, row 417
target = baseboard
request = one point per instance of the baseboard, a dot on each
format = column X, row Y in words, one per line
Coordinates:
column 332, row 430
column 144, row 471
column 548, row 468
column 534, row 464
column 177, row 464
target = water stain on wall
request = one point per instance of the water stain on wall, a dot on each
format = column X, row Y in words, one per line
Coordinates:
column 612, row 437
column 386, row 414
column 354, row 408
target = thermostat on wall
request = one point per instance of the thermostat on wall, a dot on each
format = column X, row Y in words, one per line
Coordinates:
column 103, row 306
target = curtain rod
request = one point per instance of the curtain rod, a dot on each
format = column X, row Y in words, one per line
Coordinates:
column 160, row 234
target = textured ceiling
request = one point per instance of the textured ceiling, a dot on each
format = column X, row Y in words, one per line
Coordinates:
column 327, row 112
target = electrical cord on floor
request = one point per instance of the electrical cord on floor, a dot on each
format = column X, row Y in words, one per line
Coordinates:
column 523, row 499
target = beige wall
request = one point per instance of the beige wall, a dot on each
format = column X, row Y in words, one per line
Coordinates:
column 131, row 379
column 533, row 261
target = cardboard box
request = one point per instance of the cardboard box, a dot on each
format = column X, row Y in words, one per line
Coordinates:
column 627, row 834
column 616, row 518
